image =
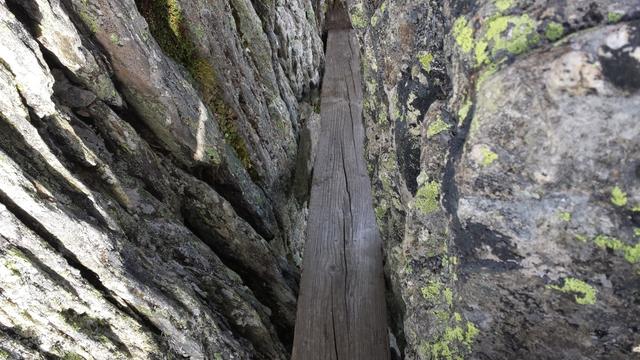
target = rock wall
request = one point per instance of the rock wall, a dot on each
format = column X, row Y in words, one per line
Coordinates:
column 147, row 165
column 503, row 148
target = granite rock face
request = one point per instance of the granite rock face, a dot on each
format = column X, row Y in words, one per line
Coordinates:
column 503, row 149
column 155, row 158
column 147, row 158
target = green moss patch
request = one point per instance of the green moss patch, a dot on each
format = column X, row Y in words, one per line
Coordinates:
column 167, row 26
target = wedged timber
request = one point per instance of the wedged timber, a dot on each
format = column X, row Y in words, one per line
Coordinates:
column 341, row 308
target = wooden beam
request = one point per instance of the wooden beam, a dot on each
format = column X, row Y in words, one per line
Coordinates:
column 341, row 308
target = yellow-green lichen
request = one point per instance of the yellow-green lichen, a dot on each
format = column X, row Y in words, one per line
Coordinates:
column 427, row 197
column 585, row 293
column 437, row 127
column 503, row 5
column 636, row 232
column 464, row 110
column 481, row 52
column 564, row 216
column 607, row 242
column 431, row 291
column 463, row 34
column 488, row 156
column 448, row 295
column 614, row 17
column 88, row 19
column 425, row 59
column 454, row 343
column 581, row 238
column 358, row 19
column 115, row 39
column 618, row 197
column 636, row 208
column 520, row 37
column 554, row 31
column 630, row 253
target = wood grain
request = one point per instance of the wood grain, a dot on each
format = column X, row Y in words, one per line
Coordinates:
column 341, row 308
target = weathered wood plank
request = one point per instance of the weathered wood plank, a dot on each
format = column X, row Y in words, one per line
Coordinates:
column 341, row 307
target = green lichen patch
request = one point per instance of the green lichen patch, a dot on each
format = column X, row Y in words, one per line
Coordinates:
column 463, row 33
column 425, row 58
column 448, row 296
column 607, row 242
column 636, row 232
column 521, row 34
column 564, row 216
column 464, row 111
column 554, row 31
column 503, row 5
column 480, row 51
column 115, row 39
column 437, row 127
column 427, row 198
column 581, row 238
column 358, row 18
column 614, row 17
column 618, row 197
column 431, row 291
column 488, row 156
column 585, row 293
column 455, row 342
column 630, row 253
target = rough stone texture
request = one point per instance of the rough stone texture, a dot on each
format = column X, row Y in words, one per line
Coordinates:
column 147, row 202
column 500, row 139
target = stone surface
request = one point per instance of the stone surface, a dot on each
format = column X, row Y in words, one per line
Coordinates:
column 502, row 147
column 131, row 223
